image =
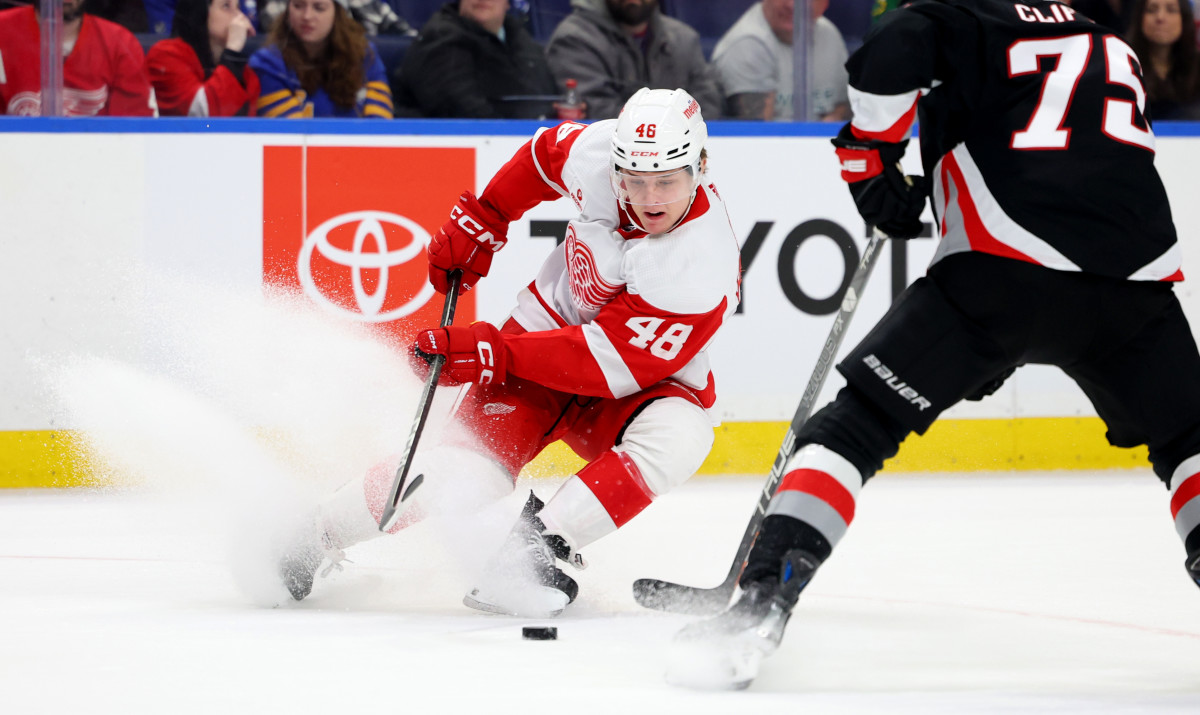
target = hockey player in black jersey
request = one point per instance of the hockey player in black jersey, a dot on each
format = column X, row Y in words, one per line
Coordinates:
column 1057, row 247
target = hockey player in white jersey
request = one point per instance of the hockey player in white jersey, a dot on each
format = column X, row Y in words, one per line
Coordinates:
column 605, row 349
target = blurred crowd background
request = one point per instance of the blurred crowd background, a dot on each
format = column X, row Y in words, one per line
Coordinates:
column 527, row 59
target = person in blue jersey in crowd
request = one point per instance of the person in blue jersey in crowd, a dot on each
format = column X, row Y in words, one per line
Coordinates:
column 319, row 63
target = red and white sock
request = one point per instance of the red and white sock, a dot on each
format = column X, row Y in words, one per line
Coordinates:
column 820, row 488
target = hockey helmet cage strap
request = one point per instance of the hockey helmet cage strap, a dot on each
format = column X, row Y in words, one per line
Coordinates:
column 659, row 130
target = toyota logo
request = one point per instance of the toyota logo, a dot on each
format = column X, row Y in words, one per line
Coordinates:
column 369, row 233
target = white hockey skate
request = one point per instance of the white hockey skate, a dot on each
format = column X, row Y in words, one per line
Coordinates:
column 724, row 652
column 523, row 579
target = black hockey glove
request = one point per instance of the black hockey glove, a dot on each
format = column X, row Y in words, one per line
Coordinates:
column 886, row 198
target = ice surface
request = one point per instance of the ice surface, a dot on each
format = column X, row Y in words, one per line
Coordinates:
column 1026, row 593
column 1008, row 593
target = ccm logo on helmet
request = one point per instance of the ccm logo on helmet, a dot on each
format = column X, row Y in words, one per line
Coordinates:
column 643, row 153
column 474, row 230
column 485, row 361
column 889, row 378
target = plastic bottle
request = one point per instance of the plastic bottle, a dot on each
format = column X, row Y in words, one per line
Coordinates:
column 571, row 106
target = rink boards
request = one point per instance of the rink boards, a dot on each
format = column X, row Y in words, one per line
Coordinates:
column 326, row 208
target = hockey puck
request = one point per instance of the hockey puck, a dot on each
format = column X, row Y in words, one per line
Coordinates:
column 550, row 633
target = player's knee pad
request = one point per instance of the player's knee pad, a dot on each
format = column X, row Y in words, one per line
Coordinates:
column 668, row 440
column 661, row 447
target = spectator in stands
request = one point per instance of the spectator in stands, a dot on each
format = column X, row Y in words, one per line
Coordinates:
column 129, row 14
column 614, row 47
column 104, row 69
column 472, row 59
column 376, row 16
column 201, row 71
column 754, row 63
column 319, row 63
column 1163, row 36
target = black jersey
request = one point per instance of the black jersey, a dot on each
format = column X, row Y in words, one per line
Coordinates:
column 1033, row 130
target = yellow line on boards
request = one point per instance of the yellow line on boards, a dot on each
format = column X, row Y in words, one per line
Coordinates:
column 1036, row 443
column 46, row 458
column 41, row 458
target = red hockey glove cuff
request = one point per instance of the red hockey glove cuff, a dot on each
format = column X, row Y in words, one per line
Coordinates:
column 473, row 354
column 466, row 242
column 885, row 197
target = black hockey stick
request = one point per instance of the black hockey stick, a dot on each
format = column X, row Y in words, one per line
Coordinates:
column 677, row 598
column 398, row 493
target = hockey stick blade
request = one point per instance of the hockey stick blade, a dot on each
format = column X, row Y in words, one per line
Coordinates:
column 398, row 493
column 678, row 598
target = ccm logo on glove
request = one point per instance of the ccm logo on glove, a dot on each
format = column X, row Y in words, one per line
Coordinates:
column 466, row 243
column 473, row 354
column 485, row 362
column 476, row 230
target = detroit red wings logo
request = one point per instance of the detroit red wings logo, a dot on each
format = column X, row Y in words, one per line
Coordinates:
column 588, row 289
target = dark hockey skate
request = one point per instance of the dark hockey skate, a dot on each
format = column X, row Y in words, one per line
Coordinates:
column 1193, row 566
column 724, row 652
column 298, row 565
column 524, row 578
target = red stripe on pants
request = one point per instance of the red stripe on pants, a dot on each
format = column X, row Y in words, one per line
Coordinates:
column 823, row 487
column 618, row 484
column 1190, row 488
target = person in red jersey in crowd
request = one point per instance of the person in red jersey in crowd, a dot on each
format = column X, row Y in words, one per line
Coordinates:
column 104, row 69
column 201, row 70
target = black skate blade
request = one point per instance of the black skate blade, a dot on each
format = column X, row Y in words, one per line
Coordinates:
column 676, row 598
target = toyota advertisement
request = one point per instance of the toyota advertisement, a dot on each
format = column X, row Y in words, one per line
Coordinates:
column 343, row 221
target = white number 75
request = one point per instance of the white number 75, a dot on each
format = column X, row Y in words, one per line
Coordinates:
column 1045, row 129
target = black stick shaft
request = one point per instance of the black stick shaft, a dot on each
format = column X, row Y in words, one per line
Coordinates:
column 390, row 507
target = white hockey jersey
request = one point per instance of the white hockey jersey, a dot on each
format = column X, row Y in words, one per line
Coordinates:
column 614, row 310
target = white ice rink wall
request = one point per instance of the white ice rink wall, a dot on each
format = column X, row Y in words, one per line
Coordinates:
column 85, row 204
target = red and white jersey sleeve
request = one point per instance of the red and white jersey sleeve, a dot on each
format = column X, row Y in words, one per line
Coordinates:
column 182, row 90
column 535, row 173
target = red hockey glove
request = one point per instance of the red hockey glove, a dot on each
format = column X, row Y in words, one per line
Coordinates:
column 466, row 242
column 886, row 198
column 473, row 354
